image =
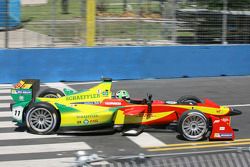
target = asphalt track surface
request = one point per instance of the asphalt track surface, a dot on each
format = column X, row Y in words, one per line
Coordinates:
column 16, row 145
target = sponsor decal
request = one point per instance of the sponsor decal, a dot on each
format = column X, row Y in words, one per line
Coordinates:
column 87, row 102
column 83, row 97
column 147, row 115
column 216, row 121
column 223, row 135
column 99, row 91
column 94, row 121
column 86, row 122
column 19, row 85
column 91, row 102
column 225, row 119
column 21, row 98
column 106, row 93
column 14, row 91
column 86, row 116
column 217, row 135
column 222, row 128
column 226, row 134
column 111, row 103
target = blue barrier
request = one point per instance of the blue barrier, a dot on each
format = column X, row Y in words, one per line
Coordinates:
column 83, row 64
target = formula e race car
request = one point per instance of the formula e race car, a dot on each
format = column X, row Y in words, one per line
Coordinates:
column 95, row 108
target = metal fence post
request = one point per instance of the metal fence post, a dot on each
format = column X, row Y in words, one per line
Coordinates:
column 174, row 6
column 139, row 35
column 125, row 2
column 53, row 21
column 224, row 23
column 83, row 23
column 7, row 24
column 165, row 23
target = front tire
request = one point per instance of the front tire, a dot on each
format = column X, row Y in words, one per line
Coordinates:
column 189, row 99
column 193, row 125
column 42, row 118
column 51, row 93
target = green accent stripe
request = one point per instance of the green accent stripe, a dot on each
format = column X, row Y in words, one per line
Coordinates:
column 64, row 109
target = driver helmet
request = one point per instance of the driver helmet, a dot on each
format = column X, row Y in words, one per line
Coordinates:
column 122, row 94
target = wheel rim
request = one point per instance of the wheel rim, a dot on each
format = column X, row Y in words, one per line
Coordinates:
column 191, row 102
column 51, row 96
column 194, row 127
column 41, row 120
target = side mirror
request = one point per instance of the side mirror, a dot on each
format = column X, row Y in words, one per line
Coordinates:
column 149, row 98
column 149, row 102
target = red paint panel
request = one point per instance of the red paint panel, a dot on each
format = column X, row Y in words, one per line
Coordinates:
column 162, row 121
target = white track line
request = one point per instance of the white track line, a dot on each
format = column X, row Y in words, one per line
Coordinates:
column 23, row 149
column 6, row 85
column 56, row 162
column 4, row 105
column 25, row 135
column 5, row 114
column 7, row 124
column 146, row 140
column 5, row 98
column 5, row 91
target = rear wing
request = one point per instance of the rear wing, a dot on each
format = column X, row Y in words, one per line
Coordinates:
column 105, row 85
column 25, row 90
column 94, row 95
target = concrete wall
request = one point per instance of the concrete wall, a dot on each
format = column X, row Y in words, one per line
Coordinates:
column 82, row 64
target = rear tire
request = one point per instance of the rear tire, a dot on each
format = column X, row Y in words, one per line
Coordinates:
column 42, row 118
column 51, row 93
column 193, row 125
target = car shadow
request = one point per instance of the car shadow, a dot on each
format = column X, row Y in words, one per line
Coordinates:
column 20, row 129
column 86, row 133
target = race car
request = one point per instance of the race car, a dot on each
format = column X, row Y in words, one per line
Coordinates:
column 96, row 108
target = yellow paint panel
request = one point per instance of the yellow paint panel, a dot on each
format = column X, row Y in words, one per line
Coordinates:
column 207, row 110
column 26, row 86
column 86, row 115
column 96, row 94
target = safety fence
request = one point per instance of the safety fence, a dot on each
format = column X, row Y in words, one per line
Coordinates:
column 216, row 158
column 74, row 23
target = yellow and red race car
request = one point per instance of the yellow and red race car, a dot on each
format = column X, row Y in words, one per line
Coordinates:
column 196, row 119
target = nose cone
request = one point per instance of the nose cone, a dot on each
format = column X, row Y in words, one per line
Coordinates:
column 234, row 112
column 224, row 110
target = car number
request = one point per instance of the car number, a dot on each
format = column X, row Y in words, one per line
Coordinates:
column 17, row 113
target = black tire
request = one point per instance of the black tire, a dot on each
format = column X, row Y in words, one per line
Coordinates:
column 189, row 99
column 42, row 118
column 51, row 93
column 193, row 125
